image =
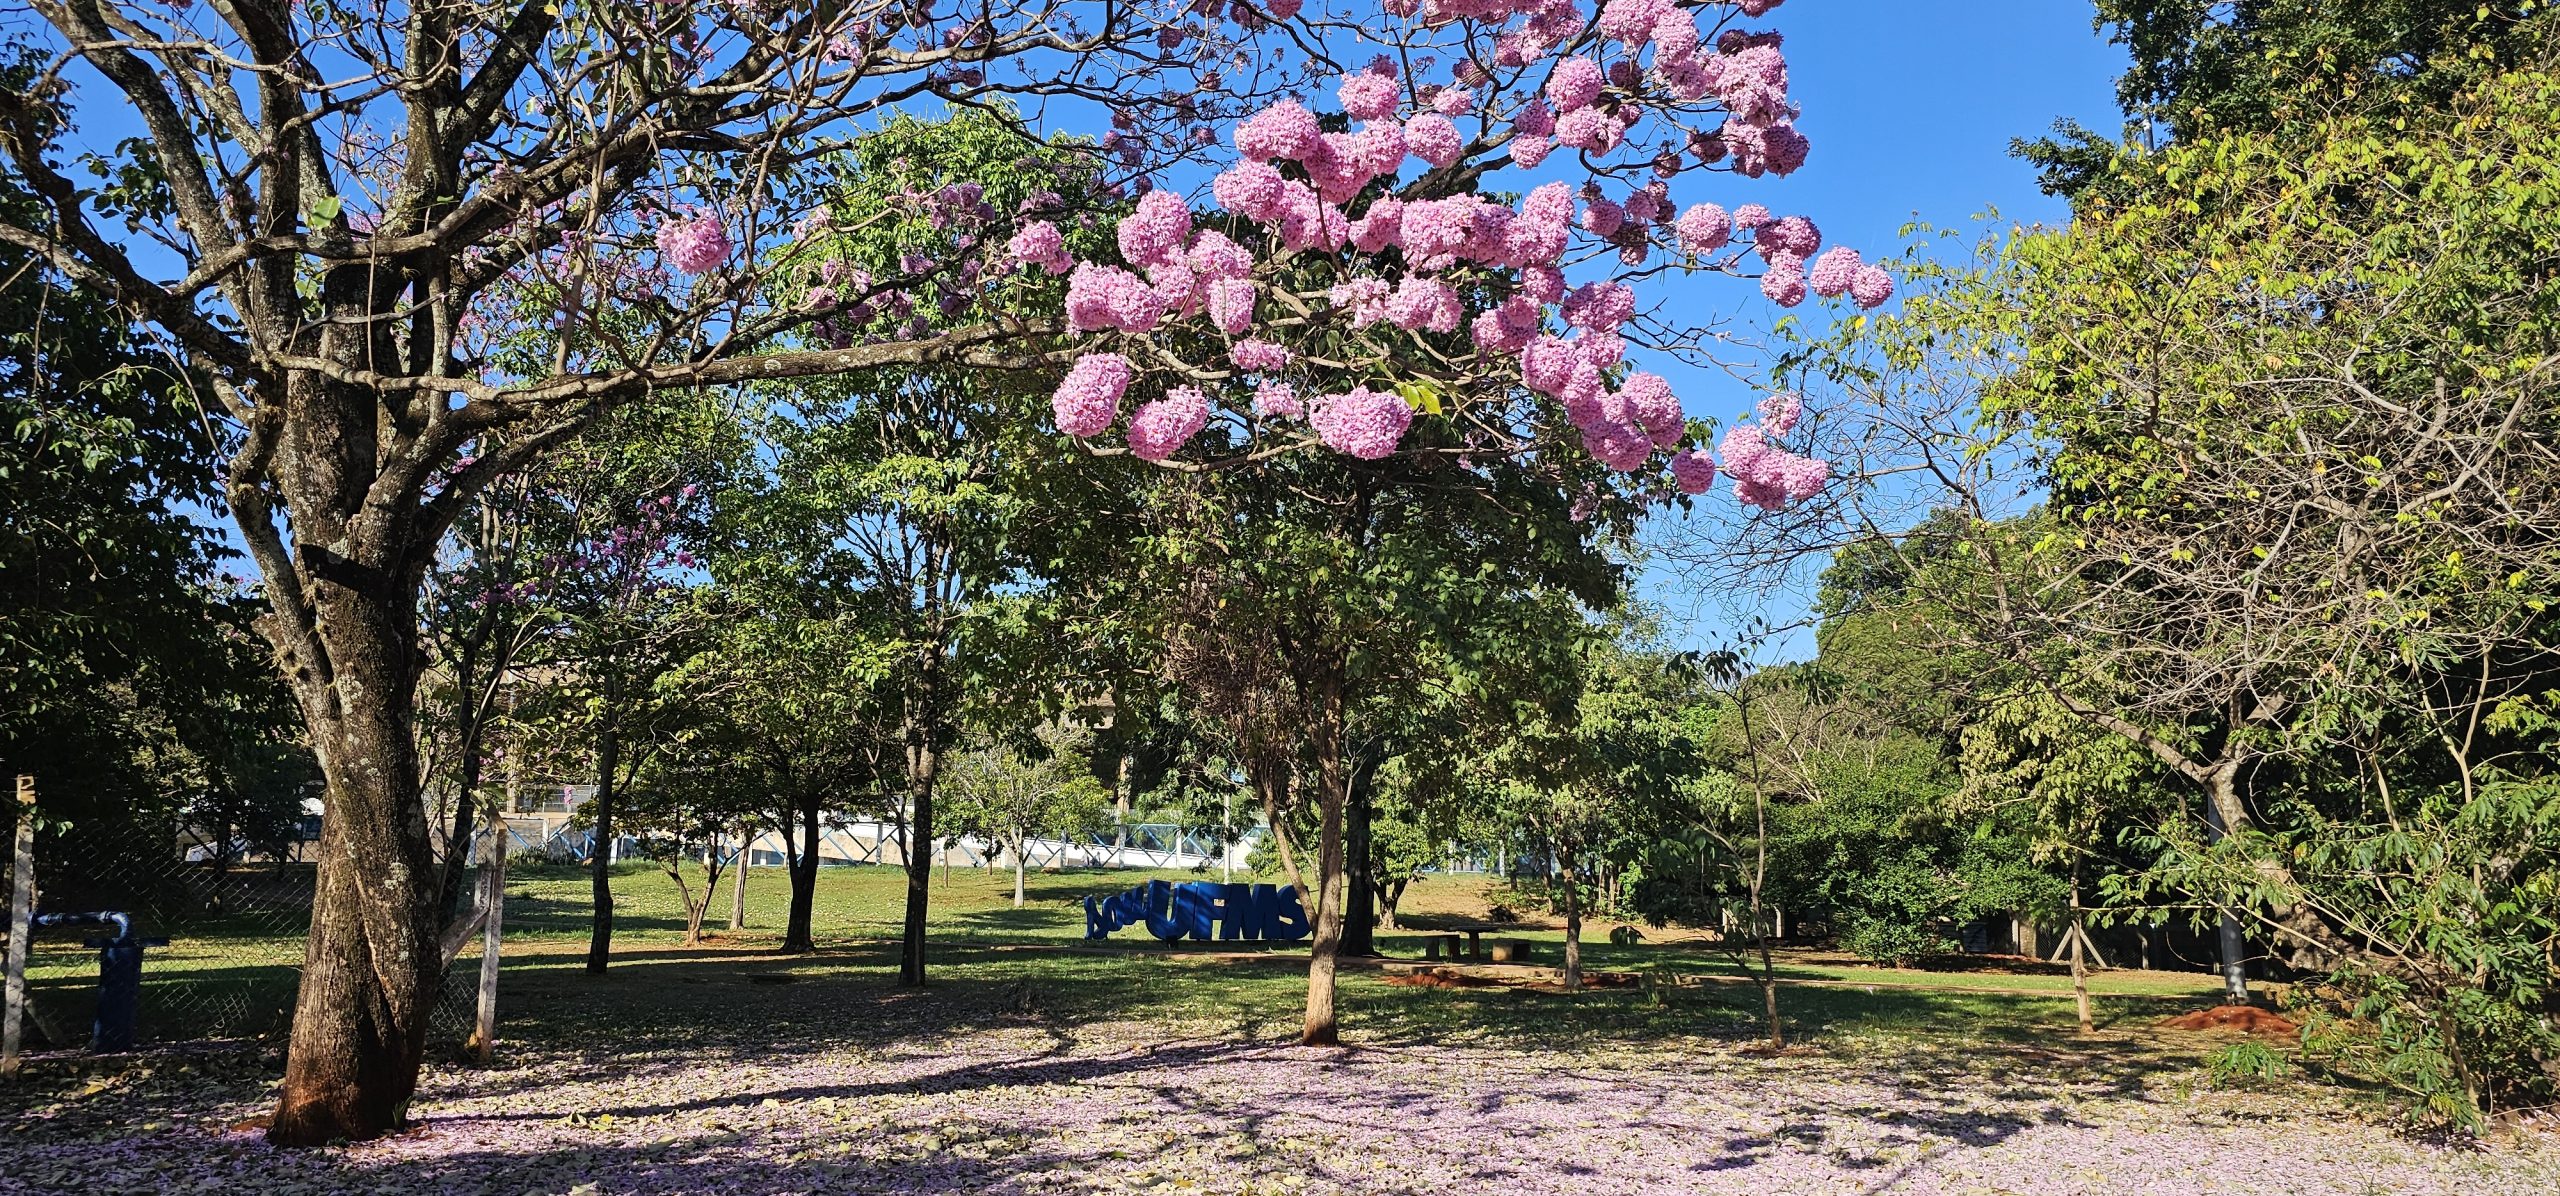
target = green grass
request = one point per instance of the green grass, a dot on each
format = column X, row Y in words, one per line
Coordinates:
column 233, row 975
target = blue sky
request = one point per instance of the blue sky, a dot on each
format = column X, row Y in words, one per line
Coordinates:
column 1910, row 107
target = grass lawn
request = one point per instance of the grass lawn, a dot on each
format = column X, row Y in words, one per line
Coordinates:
column 1035, row 1064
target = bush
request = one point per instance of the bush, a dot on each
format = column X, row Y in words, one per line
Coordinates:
column 1892, row 942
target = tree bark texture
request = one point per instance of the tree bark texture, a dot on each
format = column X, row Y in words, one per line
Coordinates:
column 796, row 936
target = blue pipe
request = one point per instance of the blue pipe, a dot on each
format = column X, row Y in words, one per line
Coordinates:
column 119, row 975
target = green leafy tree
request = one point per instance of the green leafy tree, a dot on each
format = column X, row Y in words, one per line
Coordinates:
column 1008, row 791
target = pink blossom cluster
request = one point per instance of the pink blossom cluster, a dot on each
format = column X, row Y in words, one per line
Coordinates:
column 1428, row 261
column 1088, row 400
column 1039, row 243
column 1765, row 474
column 1161, row 428
column 1363, row 423
column 694, row 244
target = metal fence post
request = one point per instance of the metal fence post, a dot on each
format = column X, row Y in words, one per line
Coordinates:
column 22, row 908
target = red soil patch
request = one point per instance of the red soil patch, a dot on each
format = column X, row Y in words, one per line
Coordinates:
column 1440, row 980
column 1541, row 981
column 2248, row 1019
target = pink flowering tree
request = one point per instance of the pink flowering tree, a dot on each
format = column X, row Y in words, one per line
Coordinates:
column 1454, row 255
column 1361, row 277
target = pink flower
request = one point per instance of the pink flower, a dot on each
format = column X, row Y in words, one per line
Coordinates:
column 1534, row 119
column 1603, row 218
column 1276, row 400
column 1161, row 428
column 1655, row 409
column 1368, row 95
column 1155, row 231
column 1757, row 8
column 1249, row 189
column 1835, row 270
column 1538, row 235
column 1424, row 304
column 1704, row 228
column 1616, row 447
column 1749, row 216
column 1257, row 356
column 695, row 246
column 1544, row 284
column 1790, row 235
column 1694, row 472
column 1381, row 227
column 1631, row 21
column 1546, row 364
column 1527, row 151
column 1283, row 130
column 1379, row 149
column 1779, row 413
column 1433, row 139
column 1106, row 297
column 1363, row 423
column 1600, row 305
column 1039, row 243
column 1282, row 10
column 1871, row 286
column 1364, row 298
column 1784, row 282
column 1588, row 129
column 1574, row 84
column 1088, row 399
column 1215, row 255
column 1453, row 101
column 1231, row 305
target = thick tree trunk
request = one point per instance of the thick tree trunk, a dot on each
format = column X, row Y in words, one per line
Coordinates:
column 796, row 937
column 1360, row 904
column 1572, row 918
column 919, row 876
column 599, row 861
column 1323, row 951
column 372, row 962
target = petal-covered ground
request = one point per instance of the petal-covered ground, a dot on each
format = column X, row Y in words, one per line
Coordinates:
column 1013, row 1100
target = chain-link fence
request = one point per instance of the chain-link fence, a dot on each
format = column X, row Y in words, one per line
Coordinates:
column 235, row 916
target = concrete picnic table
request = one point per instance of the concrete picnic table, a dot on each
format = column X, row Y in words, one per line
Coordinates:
column 1447, row 931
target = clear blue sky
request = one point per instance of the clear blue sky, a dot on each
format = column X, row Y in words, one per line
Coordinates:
column 1910, row 106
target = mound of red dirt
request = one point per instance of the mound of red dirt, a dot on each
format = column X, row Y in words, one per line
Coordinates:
column 1540, row 981
column 2248, row 1019
column 1439, row 980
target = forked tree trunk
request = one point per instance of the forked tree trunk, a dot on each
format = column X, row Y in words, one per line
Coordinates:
column 372, row 962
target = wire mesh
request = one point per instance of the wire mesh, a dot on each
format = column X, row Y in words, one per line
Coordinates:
column 237, row 919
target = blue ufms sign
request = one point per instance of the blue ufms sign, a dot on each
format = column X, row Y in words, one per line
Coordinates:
column 1268, row 913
